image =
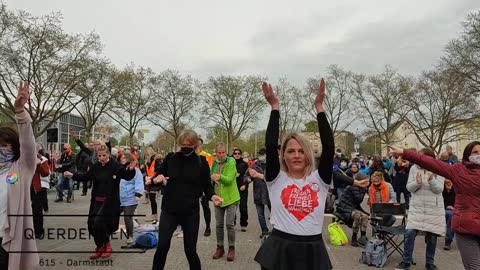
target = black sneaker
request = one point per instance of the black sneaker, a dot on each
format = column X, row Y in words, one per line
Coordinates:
column 402, row 266
column 431, row 266
column 354, row 241
column 207, row 232
column 59, row 200
column 69, row 200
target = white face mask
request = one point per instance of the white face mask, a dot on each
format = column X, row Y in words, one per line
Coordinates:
column 474, row 159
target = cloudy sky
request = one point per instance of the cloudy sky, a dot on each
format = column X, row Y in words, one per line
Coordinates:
column 297, row 39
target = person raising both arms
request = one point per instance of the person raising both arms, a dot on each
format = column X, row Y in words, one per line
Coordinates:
column 297, row 193
column 466, row 214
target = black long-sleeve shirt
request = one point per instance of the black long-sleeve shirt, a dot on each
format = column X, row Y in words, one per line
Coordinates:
column 189, row 178
column 325, row 164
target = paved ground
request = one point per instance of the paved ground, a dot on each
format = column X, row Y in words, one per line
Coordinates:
column 247, row 245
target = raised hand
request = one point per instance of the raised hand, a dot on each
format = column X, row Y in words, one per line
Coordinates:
column 419, row 178
column 320, row 96
column 74, row 134
column 270, row 96
column 395, row 150
column 159, row 179
column 22, row 96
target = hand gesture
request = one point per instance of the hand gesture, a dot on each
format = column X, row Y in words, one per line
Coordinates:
column 22, row 96
column 68, row 174
column 419, row 178
column 430, row 176
column 253, row 173
column 361, row 183
column 74, row 134
column 160, row 179
column 148, row 180
column 217, row 200
column 242, row 188
column 270, row 95
column 320, row 96
column 215, row 177
column 396, row 151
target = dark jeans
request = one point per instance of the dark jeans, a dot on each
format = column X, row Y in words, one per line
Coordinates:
column 37, row 211
column 430, row 239
column 63, row 184
column 243, row 208
column 261, row 216
column 153, row 202
column 207, row 213
column 167, row 225
column 3, row 257
column 86, row 186
column 406, row 195
column 97, row 224
column 128, row 212
column 450, row 233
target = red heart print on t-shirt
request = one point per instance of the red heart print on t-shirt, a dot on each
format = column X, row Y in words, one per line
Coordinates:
column 299, row 203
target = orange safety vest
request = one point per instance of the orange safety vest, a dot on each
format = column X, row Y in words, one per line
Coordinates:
column 151, row 169
column 208, row 157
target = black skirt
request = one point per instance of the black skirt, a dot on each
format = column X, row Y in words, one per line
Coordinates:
column 283, row 251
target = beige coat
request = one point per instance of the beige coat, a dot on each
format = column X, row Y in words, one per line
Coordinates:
column 18, row 202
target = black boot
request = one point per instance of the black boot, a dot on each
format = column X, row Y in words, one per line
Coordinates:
column 354, row 240
column 363, row 239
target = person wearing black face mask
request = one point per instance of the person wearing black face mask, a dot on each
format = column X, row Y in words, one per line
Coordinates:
column 186, row 177
column 242, row 185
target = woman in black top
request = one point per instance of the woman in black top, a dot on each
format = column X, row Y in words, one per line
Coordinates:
column 186, row 177
column 242, row 185
column 104, row 212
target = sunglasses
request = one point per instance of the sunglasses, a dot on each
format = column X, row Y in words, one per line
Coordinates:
column 236, row 153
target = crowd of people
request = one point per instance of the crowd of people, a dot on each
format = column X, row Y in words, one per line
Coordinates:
column 441, row 193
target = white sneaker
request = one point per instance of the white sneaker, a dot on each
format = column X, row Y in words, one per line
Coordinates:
column 130, row 240
column 244, row 229
column 180, row 235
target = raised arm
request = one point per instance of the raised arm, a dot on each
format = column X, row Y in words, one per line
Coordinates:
column 272, row 134
column 25, row 131
column 428, row 163
column 325, row 166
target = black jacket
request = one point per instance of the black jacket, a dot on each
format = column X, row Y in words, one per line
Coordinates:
column 401, row 178
column 448, row 197
column 67, row 159
column 242, row 168
column 260, row 191
column 351, row 200
column 189, row 178
column 83, row 161
column 106, row 183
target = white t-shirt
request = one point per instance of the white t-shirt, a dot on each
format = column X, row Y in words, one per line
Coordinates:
column 3, row 201
column 298, row 205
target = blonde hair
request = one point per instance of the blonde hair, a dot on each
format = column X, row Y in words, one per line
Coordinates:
column 102, row 147
column 378, row 175
column 148, row 154
column 307, row 150
column 188, row 135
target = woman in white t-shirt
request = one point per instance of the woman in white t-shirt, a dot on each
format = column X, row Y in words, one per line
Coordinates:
column 297, row 192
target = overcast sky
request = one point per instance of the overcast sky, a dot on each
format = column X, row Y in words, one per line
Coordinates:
column 274, row 38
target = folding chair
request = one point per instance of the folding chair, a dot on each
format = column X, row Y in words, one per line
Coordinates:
column 379, row 214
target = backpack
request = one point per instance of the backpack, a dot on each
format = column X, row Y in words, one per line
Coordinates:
column 374, row 253
column 337, row 235
column 146, row 240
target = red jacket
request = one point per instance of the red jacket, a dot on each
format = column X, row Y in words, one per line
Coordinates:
column 42, row 170
column 465, row 177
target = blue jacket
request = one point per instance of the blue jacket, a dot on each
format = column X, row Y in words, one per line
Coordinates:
column 130, row 189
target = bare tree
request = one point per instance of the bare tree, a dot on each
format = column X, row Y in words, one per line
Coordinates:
column 338, row 100
column 290, row 108
column 382, row 99
column 440, row 103
column 39, row 51
column 233, row 103
column 175, row 98
column 134, row 101
column 97, row 92
column 463, row 53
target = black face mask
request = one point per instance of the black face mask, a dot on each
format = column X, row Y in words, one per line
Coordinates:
column 187, row 151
